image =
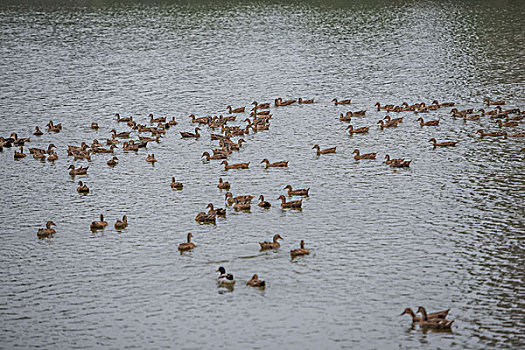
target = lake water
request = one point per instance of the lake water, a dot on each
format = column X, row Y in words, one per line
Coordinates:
column 445, row 233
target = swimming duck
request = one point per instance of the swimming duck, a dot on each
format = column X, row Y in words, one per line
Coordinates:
column 257, row 106
column 396, row 163
column 271, row 245
column 39, row 155
column 78, row 171
column 46, row 232
column 235, row 110
column 94, row 126
column 54, row 127
column 429, row 123
column 390, row 124
column 320, row 151
column 345, row 117
column 263, row 203
column 186, row 245
column 280, row 164
column 215, row 156
column 256, row 282
column 507, row 124
column 304, row 102
column 242, row 206
column 200, row 120
column 19, row 155
column 482, row 133
column 440, row 314
column 235, row 166
column 444, row 104
column 359, row 156
column 223, row 185
column 82, row 188
column 122, row 135
column 38, row 132
column 388, row 160
column 121, row 224
column 300, row 251
column 176, row 185
column 130, row 146
column 151, row 158
column 99, row 149
column 225, row 279
column 342, row 102
column 52, row 157
column 239, row 199
column 279, row 102
column 393, row 120
column 290, row 204
column 488, row 102
column 204, row 218
column 434, row 323
column 112, row 161
column 362, row 130
column 297, row 192
column 156, row 120
column 385, row 107
column 98, row 225
column 215, row 211
column 186, row 134
column 125, row 120
column 443, row 144
column 172, row 122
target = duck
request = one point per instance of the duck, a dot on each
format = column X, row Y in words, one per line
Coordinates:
column 172, row 122
column 304, row 102
column 359, row 156
column 121, row 224
column 242, row 206
column 506, row 124
column 482, row 133
column 183, row 247
column 390, row 124
column 297, row 192
column 151, row 158
column 439, row 314
column 271, row 245
column 444, row 104
column 281, row 164
column 393, row 120
column 123, row 120
column 195, row 135
column 204, row 218
column 225, row 279
column 488, row 102
column 52, row 157
column 223, row 185
column 99, row 149
column 156, row 120
column 235, row 110
column 239, row 199
column 39, row 155
column 112, row 161
column 342, row 102
column 235, row 166
column 345, row 117
column 78, row 171
column 471, row 117
column 94, row 126
column 54, row 127
column 176, row 185
column 98, row 225
column 46, row 232
column 130, row 146
column 299, row 252
column 257, row 105
column 122, row 135
column 279, row 102
column 38, row 132
column 395, row 163
column 215, row 156
column 256, row 282
column 19, row 155
column 320, row 151
column 200, row 120
column 362, row 130
column 215, row 211
column 291, row 204
column 263, row 203
column 82, row 188
column 434, row 323
column 443, row 144
column 385, row 107
column 388, row 160
column 429, row 123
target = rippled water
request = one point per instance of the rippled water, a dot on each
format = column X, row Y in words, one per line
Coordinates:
column 448, row 232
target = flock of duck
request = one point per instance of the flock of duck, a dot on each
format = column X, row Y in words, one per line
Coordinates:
column 258, row 120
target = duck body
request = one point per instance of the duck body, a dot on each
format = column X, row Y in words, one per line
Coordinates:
column 38, row 132
column 225, row 279
column 183, row 247
column 359, row 156
column 19, row 155
column 482, row 133
column 215, row 156
column 263, row 203
column 82, row 188
column 320, row 151
column 362, row 130
column 299, row 252
column 291, row 204
column 216, row 211
column 256, row 282
column 433, row 323
column 297, row 192
column 77, row 171
column 443, row 144
column 427, row 123
column 342, row 102
column 223, row 185
column 46, row 232
column 98, row 225
column 185, row 134
column 281, row 164
column 235, row 166
column 242, row 206
column 271, row 245
column 235, row 110
column 439, row 314
column 151, row 158
column 204, row 218
column 176, row 185
column 121, row 224
column 304, row 102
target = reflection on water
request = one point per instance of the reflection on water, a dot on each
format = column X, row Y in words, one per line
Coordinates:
column 444, row 233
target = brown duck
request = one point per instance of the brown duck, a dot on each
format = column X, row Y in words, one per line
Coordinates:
column 176, row 185
column 78, row 171
column 297, row 192
column 235, row 166
column 256, row 282
column 428, row 123
column 290, row 204
column 443, row 144
column 359, row 156
column 271, row 245
column 186, row 134
column 281, row 164
column 362, row 130
column 342, row 102
column 263, row 203
column 98, row 225
column 82, row 188
column 186, row 245
column 439, row 314
column 121, row 224
column 46, row 232
column 299, row 252
column 223, row 185
column 320, row 151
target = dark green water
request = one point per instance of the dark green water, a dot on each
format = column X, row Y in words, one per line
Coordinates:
column 446, row 233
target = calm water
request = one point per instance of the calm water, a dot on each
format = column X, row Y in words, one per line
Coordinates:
column 446, row 233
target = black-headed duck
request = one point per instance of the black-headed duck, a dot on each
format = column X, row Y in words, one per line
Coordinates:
column 121, row 224
column 291, row 204
column 297, row 192
column 320, row 151
column 256, row 282
column 46, row 232
column 280, row 164
column 225, row 279
column 271, row 245
column 223, row 185
column 359, row 156
column 186, row 245
column 299, row 252
column 98, row 225
column 263, row 203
